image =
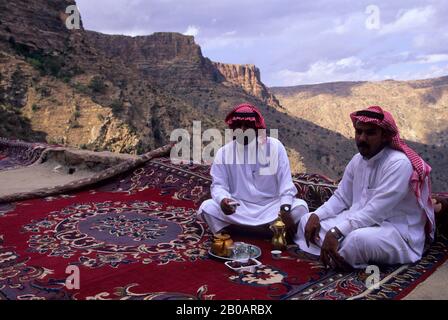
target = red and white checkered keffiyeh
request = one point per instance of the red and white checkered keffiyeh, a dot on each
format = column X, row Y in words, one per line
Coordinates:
column 420, row 181
column 246, row 112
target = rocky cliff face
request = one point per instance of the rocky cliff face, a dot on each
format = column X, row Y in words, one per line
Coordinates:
column 36, row 25
column 247, row 76
column 97, row 91
column 170, row 59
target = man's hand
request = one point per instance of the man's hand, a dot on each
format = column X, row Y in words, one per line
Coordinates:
column 329, row 254
column 226, row 207
column 291, row 227
column 312, row 229
column 440, row 205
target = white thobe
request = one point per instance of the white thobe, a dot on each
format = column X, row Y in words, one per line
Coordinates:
column 376, row 210
column 260, row 193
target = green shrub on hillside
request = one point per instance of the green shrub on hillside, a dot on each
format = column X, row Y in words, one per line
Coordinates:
column 97, row 85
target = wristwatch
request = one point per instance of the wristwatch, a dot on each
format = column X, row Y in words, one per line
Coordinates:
column 337, row 234
column 286, row 208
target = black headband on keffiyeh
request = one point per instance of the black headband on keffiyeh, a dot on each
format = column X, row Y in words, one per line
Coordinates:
column 246, row 112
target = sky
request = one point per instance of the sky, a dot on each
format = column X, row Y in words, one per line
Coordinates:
column 295, row 42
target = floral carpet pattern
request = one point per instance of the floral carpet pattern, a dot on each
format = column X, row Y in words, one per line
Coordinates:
column 111, row 233
column 136, row 237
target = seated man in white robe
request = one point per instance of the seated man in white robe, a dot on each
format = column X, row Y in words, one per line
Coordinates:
column 252, row 181
column 381, row 212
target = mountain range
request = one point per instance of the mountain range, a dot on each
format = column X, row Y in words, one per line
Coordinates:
column 126, row 94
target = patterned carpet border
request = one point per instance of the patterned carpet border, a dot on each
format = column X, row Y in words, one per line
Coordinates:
column 191, row 182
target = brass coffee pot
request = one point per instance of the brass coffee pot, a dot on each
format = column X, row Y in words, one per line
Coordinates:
column 279, row 237
column 222, row 245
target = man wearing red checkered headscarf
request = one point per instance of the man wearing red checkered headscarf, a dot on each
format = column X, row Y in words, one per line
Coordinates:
column 376, row 115
column 243, row 113
column 243, row 193
column 381, row 212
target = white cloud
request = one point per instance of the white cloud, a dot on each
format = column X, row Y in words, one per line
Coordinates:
column 192, row 31
column 229, row 33
column 409, row 19
column 349, row 25
column 433, row 58
column 419, row 41
column 339, row 27
column 432, row 72
column 347, row 69
column 130, row 32
column 226, row 42
column 348, row 63
column 227, row 39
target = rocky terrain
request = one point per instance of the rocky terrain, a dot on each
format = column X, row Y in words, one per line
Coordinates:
column 248, row 77
column 419, row 107
column 96, row 91
column 126, row 94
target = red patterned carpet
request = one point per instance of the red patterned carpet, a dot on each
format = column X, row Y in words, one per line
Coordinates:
column 136, row 237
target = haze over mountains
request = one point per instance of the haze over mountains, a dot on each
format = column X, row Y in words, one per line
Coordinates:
column 126, row 94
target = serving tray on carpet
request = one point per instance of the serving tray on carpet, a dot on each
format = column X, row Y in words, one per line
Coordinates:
column 254, row 253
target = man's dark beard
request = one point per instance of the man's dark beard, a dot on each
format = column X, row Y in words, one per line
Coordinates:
column 365, row 145
column 362, row 145
column 246, row 139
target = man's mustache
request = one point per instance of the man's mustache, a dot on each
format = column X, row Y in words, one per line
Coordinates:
column 362, row 145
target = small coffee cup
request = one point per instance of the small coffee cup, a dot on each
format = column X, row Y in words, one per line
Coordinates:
column 276, row 254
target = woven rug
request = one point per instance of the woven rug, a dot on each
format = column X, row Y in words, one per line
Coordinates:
column 136, row 237
column 16, row 154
